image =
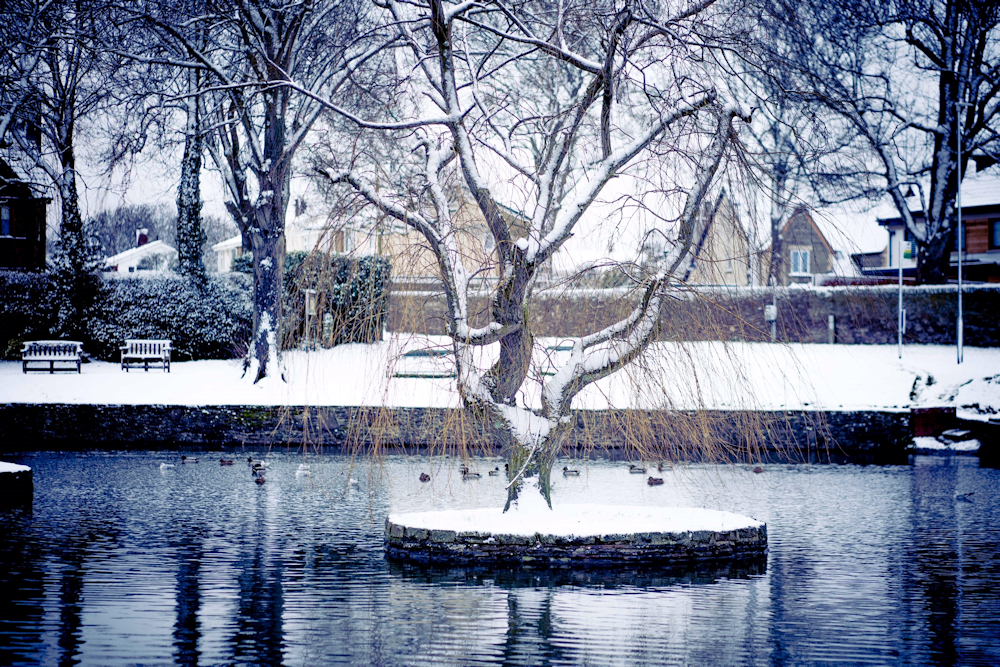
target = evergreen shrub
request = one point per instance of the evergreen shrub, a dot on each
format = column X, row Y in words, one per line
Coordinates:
column 353, row 290
column 213, row 323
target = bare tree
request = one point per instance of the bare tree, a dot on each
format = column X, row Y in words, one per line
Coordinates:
column 242, row 56
column 894, row 78
column 61, row 80
column 536, row 108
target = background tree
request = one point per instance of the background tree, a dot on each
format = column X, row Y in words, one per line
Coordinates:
column 256, row 123
column 530, row 111
column 894, row 78
column 61, row 80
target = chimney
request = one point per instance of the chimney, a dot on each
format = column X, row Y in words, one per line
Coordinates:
column 141, row 237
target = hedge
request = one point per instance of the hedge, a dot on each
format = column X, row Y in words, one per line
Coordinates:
column 211, row 324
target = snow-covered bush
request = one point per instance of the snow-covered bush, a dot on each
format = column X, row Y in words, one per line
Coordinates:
column 25, row 310
column 209, row 324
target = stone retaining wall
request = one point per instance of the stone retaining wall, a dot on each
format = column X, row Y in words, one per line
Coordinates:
column 812, row 436
column 420, row 545
column 876, row 436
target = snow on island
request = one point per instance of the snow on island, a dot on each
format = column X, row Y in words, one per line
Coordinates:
column 570, row 521
column 587, row 534
column 17, row 484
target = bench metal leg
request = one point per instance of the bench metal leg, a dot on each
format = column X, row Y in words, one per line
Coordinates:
column 52, row 367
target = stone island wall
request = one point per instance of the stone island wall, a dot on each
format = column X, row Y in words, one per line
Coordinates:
column 420, row 545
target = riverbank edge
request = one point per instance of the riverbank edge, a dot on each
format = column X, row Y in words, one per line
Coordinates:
column 859, row 436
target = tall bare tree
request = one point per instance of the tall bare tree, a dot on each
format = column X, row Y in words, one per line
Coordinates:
column 535, row 109
column 255, row 121
column 62, row 79
column 894, row 78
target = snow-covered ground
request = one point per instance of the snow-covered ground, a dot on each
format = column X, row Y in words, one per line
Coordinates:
column 676, row 375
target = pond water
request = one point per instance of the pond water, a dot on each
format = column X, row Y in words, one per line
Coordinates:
column 118, row 562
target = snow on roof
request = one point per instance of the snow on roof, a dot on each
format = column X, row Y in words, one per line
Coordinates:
column 977, row 190
column 135, row 254
column 228, row 244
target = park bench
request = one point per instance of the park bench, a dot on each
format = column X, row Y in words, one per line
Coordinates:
column 426, row 363
column 143, row 351
column 51, row 352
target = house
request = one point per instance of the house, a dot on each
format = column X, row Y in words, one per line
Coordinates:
column 722, row 254
column 806, row 255
column 309, row 227
column 22, row 222
column 153, row 256
column 981, row 247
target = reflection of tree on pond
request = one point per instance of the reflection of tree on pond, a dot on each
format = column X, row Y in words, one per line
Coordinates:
column 22, row 593
column 259, row 637
column 187, row 631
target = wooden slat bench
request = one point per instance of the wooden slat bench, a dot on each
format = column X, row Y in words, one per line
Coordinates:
column 428, row 363
column 52, row 352
column 145, row 351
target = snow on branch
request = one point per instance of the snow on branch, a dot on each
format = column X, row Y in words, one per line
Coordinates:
column 605, row 352
column 570, row 214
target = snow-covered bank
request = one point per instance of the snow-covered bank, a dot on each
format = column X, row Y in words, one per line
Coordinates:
column 713, row 375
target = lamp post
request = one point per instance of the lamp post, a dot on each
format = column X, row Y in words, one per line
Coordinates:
column 959, row 325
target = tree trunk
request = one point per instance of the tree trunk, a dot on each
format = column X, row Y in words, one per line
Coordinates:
column 934, row 259
column 74, row 277
column 190, row 235
column 268, row 264
column 777, row 218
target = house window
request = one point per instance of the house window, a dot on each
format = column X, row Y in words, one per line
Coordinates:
column 800, row 261
column 729, row 265
column 4, row 221
column 994, row 228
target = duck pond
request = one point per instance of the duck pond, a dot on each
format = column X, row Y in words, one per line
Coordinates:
column 119, row 561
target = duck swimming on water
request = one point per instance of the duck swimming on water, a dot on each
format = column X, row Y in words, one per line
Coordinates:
column 567, row 472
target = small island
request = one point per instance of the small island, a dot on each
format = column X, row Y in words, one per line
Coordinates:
column 592, row 535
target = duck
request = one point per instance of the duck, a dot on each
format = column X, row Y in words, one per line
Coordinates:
column 463, row 468
column 185, row 459
column 256, row 463
column 495, row 472
column 225, row 462
column 424, row 477
column 164, row 466
column 758, row 469
column 964, row 497
column 654, row 481
column 303, row 470
column 467, row 474
column 260, row 479
column 636, row 470
column 567, row 472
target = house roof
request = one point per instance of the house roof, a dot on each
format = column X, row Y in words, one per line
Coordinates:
column 812, row 223
column 228, row 244
column 135, row 254
column 980, row 192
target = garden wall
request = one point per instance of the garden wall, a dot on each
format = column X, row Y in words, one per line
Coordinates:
column 862, row 315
